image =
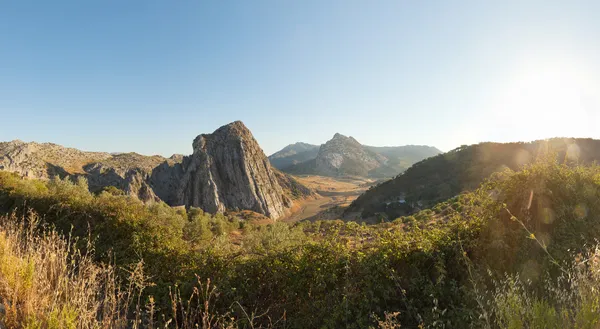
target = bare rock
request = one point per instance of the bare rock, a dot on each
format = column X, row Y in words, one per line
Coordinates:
column 345, row 155
column 228, row 170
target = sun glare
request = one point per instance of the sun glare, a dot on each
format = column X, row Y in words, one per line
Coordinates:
column 548, row 100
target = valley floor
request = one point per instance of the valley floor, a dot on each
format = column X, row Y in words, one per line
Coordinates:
column 333, row 195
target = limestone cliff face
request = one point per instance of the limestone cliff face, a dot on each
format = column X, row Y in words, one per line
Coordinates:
column 228, row 170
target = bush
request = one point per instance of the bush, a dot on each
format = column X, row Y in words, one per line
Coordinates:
column 429, row 269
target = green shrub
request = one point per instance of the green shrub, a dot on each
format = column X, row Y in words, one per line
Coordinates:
column 435, row 268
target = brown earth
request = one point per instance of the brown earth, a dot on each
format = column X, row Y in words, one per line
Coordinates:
column 333, row 196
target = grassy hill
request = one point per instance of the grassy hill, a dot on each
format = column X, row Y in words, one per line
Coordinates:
column 400, row 158
column 446, row 175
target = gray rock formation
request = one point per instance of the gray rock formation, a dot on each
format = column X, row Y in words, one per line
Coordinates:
column 346, row 155
column 45, row 160
column 227, row 171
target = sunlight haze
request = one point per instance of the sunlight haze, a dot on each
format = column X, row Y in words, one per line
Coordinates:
column 149, row 76
column 292, row 164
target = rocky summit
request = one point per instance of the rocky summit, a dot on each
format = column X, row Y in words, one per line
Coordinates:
column 227, row 171
column 345, row 156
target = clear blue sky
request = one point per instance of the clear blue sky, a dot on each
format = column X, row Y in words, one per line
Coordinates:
column 148, row 76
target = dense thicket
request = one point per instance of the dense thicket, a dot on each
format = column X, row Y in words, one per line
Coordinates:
column 435, row 268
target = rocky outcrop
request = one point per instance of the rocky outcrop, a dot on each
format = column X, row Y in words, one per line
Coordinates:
column 345, row 155
column 133, row 181
column 45, row 160
column 227, row 170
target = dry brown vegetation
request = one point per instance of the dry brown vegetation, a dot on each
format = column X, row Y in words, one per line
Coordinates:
column 47, row 282
column 333, row 195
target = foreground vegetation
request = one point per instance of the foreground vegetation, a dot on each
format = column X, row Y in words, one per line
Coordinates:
column 511, row 254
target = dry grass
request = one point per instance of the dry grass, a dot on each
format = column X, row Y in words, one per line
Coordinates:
column 48, row 283
column 45, row 282
column 334, row 184
column 334, row 194
column 390, row 321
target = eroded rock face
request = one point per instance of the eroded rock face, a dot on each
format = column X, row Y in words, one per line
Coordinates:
column 346, row 155
column 45, row 160
column 228, row 170
column 133, row 181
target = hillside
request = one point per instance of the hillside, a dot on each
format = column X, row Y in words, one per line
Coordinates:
column 228, row 170
column 345, row 156
column 400, row 158
column 500, row 254
column 446, row 175
column 293, row 154
column 44, row 160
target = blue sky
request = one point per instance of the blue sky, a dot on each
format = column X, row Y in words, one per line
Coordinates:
column 148, row 76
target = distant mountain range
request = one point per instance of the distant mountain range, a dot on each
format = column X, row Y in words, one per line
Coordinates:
column 294, row 154
column 446, row 175
column 345, row 156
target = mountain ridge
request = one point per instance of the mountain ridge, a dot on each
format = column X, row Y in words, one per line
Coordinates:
column 446, row 175
column 293, row 154
column 345, row 156
column 227, row 170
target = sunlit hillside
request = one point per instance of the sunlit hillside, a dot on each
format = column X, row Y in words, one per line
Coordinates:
column 448, row 264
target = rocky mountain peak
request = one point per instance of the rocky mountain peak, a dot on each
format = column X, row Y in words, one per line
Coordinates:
column 341, row 144
column 231, row 160
column 345, row 155
column 339, row 138
column 235, row 131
